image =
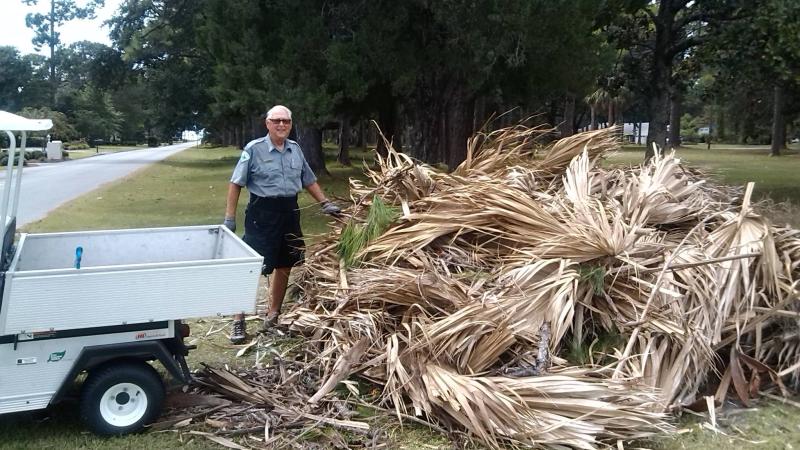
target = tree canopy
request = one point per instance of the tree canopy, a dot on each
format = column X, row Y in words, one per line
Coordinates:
column 428, row 73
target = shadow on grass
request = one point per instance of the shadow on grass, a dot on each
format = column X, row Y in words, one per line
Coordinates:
column 225, row 161
column 59, row 427
column 789, row 194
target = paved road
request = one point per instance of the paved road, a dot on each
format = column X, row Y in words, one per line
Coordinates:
column 48, row 185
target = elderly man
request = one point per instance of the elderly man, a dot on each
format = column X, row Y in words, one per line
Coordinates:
column 274, row 170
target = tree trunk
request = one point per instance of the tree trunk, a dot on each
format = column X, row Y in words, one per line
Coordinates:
column 53, row 81
column 593, row 120
column 675, row 112
column 578, row 120
column 552, row 114
column 343, row 156
column 778, row 121
column 387, row 121
column 257, row 127
column 479, row 115
column 659, row 116
column 310, row 140
column 425, row 135
column 565, row 127
column 360, row 133
column 660, row 76
column 459, row 114
column 639, row 138
column 748, row 122
column 610, row 113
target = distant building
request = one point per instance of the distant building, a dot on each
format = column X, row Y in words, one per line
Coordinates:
column 635, row 133
column 191, row 135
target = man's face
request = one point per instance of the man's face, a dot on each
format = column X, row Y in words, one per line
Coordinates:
column 279, row 125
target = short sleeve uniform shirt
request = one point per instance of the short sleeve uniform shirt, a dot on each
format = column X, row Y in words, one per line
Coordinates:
column 268, row 172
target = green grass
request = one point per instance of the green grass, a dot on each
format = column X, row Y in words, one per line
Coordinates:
column 60, row 429
column 767, row 426
column 776, row 178
column 189, row 189
column 88, row 152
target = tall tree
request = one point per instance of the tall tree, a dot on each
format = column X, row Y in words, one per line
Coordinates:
column 45, row 25
column 158, row 41
column 419, row 67
column 759, row 57
column 36, row 92
column 62, row 128
column 14, row 77
column 664, row 31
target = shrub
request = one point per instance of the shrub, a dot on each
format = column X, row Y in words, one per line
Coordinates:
column 39, row 142
column 76, row 145
column 152, row 141
column 4, row 159
column 34, row 154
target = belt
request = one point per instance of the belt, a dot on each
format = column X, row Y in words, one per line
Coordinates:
column 273, row 203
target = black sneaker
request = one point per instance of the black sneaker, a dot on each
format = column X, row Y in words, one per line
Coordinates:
column 239, row 332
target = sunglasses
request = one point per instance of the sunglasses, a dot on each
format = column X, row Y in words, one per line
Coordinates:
column 281, row 121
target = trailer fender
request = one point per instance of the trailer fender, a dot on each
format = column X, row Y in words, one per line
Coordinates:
column 96, row 355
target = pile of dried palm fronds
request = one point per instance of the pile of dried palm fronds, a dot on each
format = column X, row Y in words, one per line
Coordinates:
column 534, row 297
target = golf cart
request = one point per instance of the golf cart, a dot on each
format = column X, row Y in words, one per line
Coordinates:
column 105, row 303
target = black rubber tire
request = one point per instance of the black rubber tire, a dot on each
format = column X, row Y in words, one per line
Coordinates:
column 100, row 380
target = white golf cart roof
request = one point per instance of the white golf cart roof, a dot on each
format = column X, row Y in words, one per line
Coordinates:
column 10, row 123
column 13, row 122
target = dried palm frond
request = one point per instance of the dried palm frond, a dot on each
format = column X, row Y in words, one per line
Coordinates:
column 569, row 407
column 532, row 247
column 662, row 194
column 490, row 152
column 596, row 143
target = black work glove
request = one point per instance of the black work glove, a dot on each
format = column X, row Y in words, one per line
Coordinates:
column 230, row 222
column 329, row 208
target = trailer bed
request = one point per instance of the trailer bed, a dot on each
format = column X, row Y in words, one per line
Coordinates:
column 126, row 277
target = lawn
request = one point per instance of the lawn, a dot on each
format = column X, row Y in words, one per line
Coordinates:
column 190, row 188
column 87, row 152
column 776, row 178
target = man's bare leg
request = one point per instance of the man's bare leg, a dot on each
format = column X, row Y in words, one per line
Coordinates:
column 278, row 284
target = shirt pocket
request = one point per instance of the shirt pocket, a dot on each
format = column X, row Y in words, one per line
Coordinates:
column 265, row 173
column 296, row 164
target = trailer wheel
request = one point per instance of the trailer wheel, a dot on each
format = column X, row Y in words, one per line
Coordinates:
column 121, row 398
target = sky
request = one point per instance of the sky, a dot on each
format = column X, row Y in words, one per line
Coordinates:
column 13, row 31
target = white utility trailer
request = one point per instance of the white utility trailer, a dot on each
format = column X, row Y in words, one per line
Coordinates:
column 106, row 303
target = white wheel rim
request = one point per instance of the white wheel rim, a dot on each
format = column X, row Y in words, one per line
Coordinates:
column 123, row 404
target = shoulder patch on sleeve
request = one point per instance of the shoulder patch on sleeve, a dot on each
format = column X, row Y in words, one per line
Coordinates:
column 245, row 156
column 254, row 142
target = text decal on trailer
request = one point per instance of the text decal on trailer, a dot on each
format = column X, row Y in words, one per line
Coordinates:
column 56, row 356
column 151, row 334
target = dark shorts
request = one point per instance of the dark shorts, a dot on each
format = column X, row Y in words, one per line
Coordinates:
column 272, row 228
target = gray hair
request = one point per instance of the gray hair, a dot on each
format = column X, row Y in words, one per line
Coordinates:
column 277, row 108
